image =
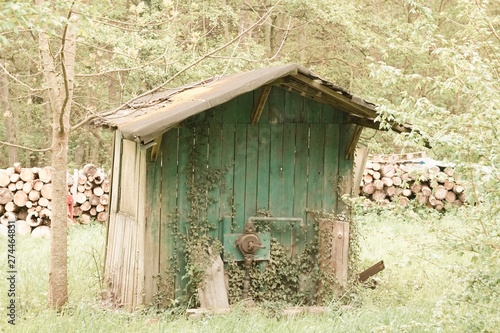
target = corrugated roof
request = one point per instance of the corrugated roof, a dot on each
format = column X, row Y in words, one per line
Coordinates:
column 150, row 116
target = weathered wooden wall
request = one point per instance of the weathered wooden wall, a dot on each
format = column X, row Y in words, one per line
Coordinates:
column 286, row 164
column 293, row 160
column 124, row 263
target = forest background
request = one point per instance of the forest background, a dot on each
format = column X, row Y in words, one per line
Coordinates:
column 433, row 63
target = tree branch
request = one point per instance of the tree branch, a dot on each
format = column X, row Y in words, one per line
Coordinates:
column 17, row 80
column 116, row 70
column 64, row 71
column 492, row 28
column 3, row 143
column 197, row 61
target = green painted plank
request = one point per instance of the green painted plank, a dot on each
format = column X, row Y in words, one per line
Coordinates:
column 215, row 167
column 152, row 215
column 312, row 111
column 293, row 112
column 229, row 112
column 214, row 115
column 276, row 181
column 168, row 259
column 183, row 202
column 276, row 103
column 244, row 108
column 331, row 166
column 226, row 198
column 315, row 190
column 288, row 185
column 300, row 184
column 327, row 114
column 240, row 150
column 263, row 167
column 251, row 171
column 200, row 178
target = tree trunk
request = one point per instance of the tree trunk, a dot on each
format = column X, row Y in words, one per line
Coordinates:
column 60, row 101
column 8, row 115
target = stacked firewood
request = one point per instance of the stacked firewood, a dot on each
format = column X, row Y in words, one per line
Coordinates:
column 26, row 194
column 400, row 181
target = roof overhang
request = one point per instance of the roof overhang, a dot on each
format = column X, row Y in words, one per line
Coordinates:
column 148, row 117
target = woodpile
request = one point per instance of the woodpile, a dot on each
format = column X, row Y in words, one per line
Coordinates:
column 26, row 195
column 393, row 179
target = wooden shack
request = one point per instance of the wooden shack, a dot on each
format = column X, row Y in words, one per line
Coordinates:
column 266, row 154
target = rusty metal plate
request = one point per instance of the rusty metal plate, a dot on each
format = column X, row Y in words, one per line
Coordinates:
column 232, row 253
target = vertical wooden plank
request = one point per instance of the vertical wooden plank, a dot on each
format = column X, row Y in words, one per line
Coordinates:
column 183, row 202
column 276, row 105
column 263, row 167
column 128, row 182
column 251, row 171
column 114, row 270
column 229, row 112
column 140, row 227
column 214, row 165
column 133, row 265
column 293, row 112
column 331, row 163
column 264, row 117
column 168, row 225
column 126, row 263
column 240, row 150
column 300, row 183
column 226, row 200
column 360, row 158
column 327, row 114
column 276, row 180
column 288, row 186
column 345, row 168
column 312, row 111
column 276, row 176
column 315, row 186
column 111, row 238
column 244, row 108
column 152, row 227
column 116, row 174
column 340, row 251
column 201, row 146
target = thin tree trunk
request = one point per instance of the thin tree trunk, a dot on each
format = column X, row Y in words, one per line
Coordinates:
column 60, row 100
column 8, row 115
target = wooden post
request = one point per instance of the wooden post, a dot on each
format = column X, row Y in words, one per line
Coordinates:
column 333, row 251
column 340, row 251
column 360, row 158
column 212, row 292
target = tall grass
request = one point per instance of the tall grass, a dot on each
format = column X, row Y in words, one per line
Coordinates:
column 415, row 293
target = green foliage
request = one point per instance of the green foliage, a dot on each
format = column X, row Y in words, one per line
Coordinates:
column 282, row 280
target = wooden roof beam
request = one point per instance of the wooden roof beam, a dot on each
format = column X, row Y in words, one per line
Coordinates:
column 156, row 148
column 330, row 99
column 353, row 142
column 257, row 111
column 341, row 100
column 302, row 90
column 371, row 123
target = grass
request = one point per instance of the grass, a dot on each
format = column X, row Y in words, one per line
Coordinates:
column 415, row 293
